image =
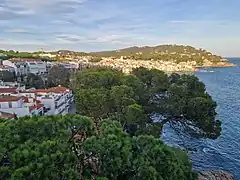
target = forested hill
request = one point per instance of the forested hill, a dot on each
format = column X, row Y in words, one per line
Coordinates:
column 178, row 53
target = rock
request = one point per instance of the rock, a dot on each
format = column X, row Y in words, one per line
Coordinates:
column 215, row 175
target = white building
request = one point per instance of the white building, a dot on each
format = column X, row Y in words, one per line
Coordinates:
column 7, row 68
column 23, row 66
column 57, row 100
column 16, row 106
column 37, row 66
column 51, row 101
column 14, row 85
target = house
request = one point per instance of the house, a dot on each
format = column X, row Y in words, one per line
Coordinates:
column 15, row 85
column 23, row 66
column 16, row 105
column 56, row 100
column 52, row 101
column 7, row 68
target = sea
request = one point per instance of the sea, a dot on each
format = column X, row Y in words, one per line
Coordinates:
column 223, row 153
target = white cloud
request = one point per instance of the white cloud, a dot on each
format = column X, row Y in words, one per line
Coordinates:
column 17, row 31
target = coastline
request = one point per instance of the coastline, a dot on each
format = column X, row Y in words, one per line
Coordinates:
column 169, row 67
column 218, row 65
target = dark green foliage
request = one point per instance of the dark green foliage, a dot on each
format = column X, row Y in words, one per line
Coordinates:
column 143, row 157
column 7, row 76
column 33, row 80
column 58, row 75
column 133, row 99
column 177, row 53
column 67, row 147
column 40, row 147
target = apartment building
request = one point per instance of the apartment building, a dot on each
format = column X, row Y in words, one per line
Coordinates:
column 23, row 66
column 7, row 68
column 16, row 106
column 52, row 101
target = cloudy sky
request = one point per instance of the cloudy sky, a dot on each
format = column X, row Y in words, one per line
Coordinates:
column 92, row 25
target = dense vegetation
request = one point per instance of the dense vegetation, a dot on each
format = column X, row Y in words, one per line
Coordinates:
column 117, row 138
column 16, row 54
column 58, row 75
column 180, row 100
column 70, row 148
column 7, row 76
column 176, row 53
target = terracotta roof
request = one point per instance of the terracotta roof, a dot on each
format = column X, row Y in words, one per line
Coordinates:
column 58, row 89
column 9, row 98
column 8, row 90
column 25, row 99
column 37, row 106
column 5, row 115
column 35, row 91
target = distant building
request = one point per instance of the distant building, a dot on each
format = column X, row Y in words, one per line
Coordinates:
column 23, row 66
column 16, row 105
column 50, row 101
column 7, row 68
column 14, row 85
column 47, row 55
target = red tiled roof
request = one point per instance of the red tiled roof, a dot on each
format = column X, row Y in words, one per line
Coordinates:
column 37, row 106
column 25, row 99
column 9, row 98
column 58, row 89
column 8, row 90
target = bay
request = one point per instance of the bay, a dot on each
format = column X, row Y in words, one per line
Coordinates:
column 223, row 84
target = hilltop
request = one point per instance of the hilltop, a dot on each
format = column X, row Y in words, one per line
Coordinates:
column 168, row 53
column 174, row 53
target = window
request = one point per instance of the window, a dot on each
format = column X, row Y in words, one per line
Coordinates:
column 10, row 104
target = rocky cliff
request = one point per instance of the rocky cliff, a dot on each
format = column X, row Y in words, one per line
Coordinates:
column 215, row 175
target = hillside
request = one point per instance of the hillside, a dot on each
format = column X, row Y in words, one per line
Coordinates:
column 175, row 53
column 163, row 53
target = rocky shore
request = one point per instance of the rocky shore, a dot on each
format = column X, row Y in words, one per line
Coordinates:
column 215, row 175
column 223, row 63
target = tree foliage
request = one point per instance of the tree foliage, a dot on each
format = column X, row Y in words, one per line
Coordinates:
column 34, row 80
column 7, row 76
column 176, row 53
column 69, row 147
column 58, row 75
column 180, row 100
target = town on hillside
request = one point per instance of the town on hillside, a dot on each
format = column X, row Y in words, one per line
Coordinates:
column 38, row 83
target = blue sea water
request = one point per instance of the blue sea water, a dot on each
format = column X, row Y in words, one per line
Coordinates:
column 223, row 153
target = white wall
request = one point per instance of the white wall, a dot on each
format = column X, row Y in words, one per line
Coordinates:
column 48, row 103
column 20, row 112
column 37, row 67
column 15, row 104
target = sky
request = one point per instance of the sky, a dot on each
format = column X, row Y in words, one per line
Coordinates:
column 94, row 25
